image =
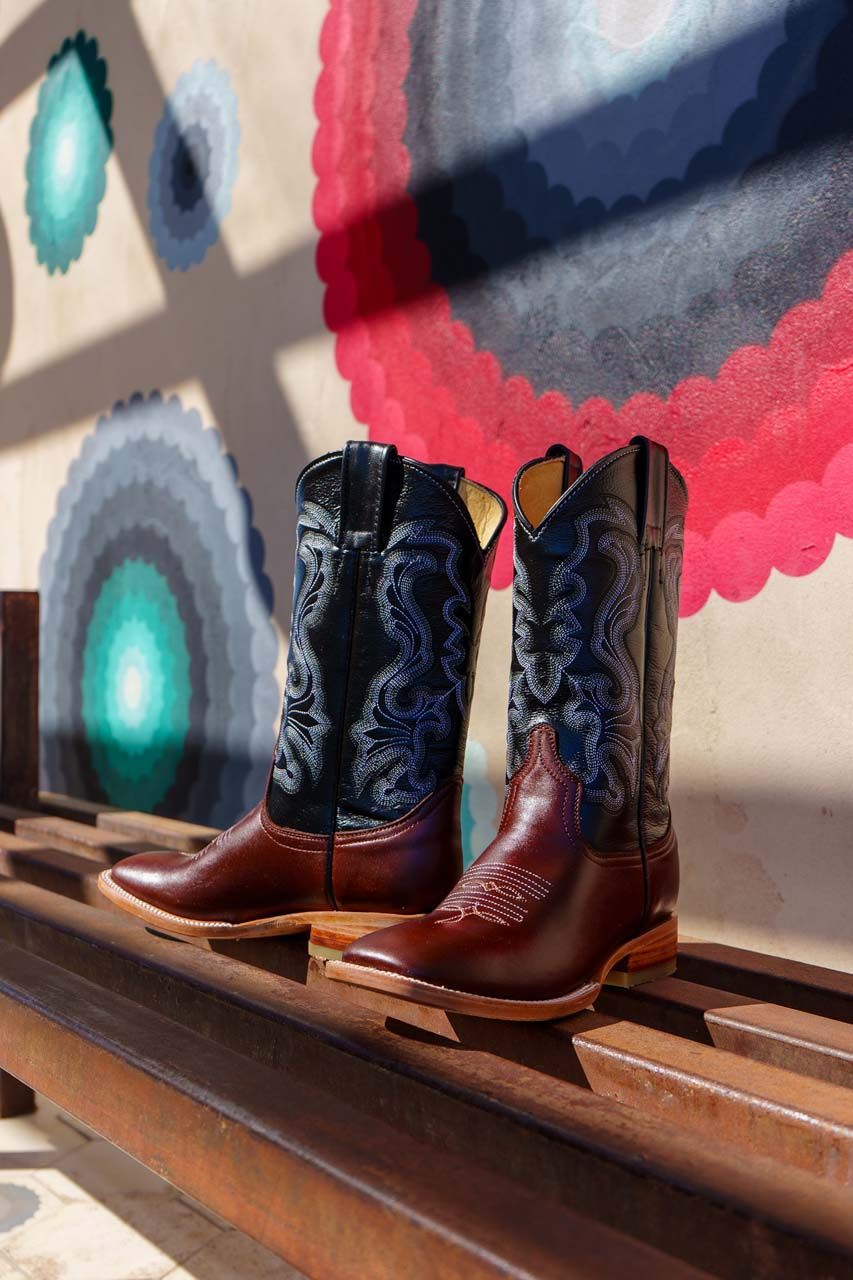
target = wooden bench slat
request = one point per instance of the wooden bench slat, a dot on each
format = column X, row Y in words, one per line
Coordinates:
column 734, row 1214
column 305, row 1174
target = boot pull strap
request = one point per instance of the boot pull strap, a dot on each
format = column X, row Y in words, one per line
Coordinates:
column 364, row 474
column 654, row 483
column 444, row 472
column 572, row 465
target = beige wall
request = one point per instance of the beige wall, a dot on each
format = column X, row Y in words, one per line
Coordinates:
column 763, row 751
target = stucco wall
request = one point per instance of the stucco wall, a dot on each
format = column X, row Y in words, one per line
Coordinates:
column 534, row 223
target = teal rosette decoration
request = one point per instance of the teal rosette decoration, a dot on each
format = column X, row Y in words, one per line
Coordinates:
column 70, row 143
column 158, row 649
column 136, row 683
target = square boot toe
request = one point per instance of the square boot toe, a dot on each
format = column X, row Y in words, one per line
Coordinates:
column 159, row 879
column 428, row 950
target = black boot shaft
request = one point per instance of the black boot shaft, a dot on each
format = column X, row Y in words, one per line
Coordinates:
column 595, row 608
column 391, row 579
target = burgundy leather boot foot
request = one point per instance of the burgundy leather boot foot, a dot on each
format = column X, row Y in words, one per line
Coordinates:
column 360, row 823
column 579, row 887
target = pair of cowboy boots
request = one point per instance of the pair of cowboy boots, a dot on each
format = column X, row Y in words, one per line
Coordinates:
column 360, row 822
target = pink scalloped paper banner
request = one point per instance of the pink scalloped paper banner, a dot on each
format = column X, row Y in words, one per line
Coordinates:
column 765, row 446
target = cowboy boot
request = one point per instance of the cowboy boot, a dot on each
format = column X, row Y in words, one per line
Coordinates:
column 579, row 886
column 360, row 822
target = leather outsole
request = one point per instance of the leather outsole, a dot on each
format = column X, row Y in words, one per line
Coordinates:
column 338, row 927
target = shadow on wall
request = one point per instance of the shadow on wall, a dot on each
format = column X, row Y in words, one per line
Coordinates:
column 199, row 778
column 772, row 845
column 6, row 295
column 216, row 326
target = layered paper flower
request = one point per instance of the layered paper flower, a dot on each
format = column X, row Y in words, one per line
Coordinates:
column 70, row 143
column 193, row 165
column 158, row 650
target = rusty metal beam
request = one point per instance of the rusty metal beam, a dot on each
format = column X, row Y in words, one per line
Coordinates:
column 53, row 869
column 801, row 1042
column 755, row 1107
column 166, row 833
column 19, row 696
column 336, row 1193
column 719, row 1209
column 16, row 1098
column 102, row 846
column 771, row 979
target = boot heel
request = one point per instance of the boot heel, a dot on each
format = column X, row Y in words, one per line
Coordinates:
column 651, row 956
column 329, row 936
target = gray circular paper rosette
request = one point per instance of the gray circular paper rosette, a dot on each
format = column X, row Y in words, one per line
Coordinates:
column 193, row 165
column 158, row 648
column 615, row 205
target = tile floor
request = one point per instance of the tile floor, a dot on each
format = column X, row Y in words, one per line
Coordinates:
column 73, row 1207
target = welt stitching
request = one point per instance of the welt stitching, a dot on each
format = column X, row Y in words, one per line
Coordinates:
column 434, row 986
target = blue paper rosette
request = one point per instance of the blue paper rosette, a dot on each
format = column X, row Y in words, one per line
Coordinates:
column 193, row 165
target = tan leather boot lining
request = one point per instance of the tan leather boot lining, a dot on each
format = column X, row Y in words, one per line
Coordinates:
column 483, row 507
column 539, row 488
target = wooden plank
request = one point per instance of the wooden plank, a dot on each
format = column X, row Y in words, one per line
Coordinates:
column 770, row 979
column 308, row 1176
column 19, row 696
column 801, row 1042
column 16, row 1098
column 723, row 1210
